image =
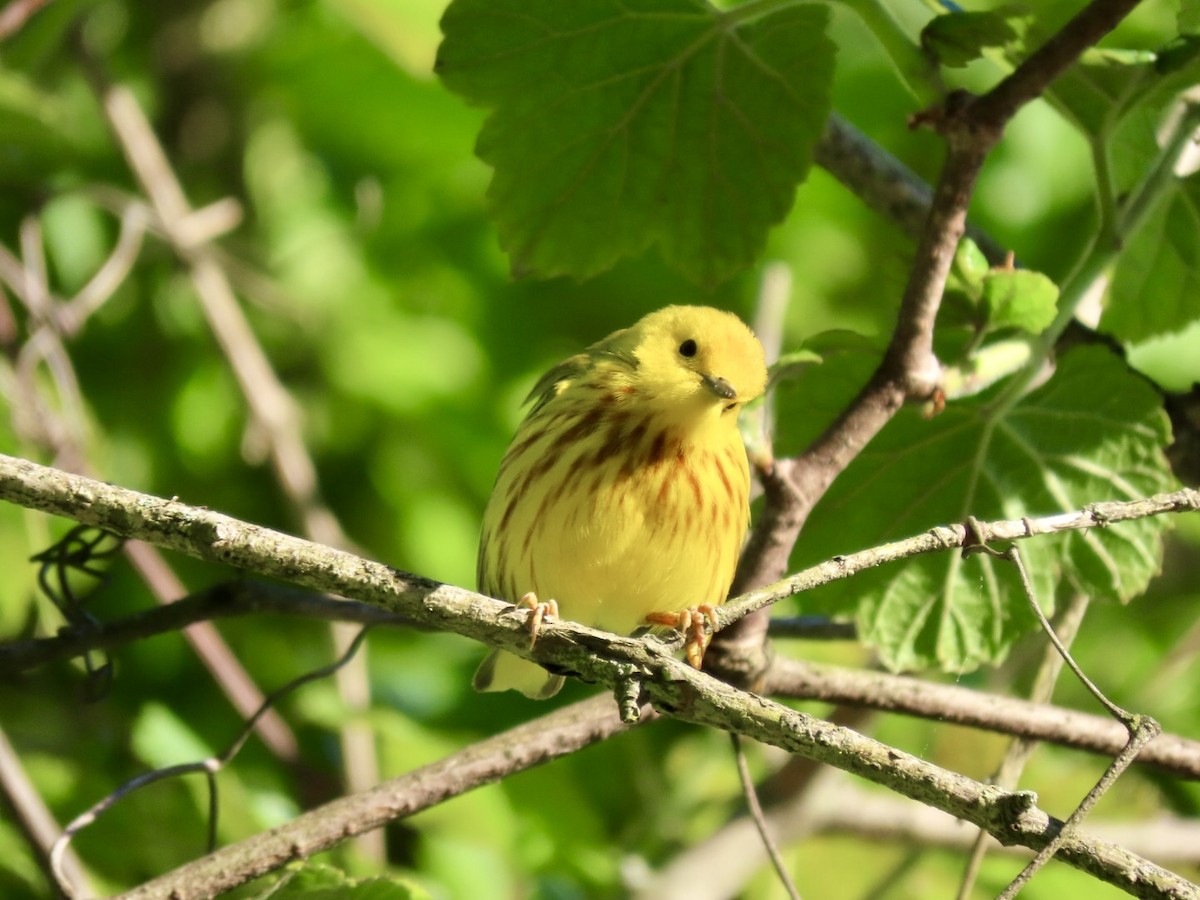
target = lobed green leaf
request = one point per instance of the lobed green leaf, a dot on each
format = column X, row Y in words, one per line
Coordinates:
column 1019, row 298
column 1156, row 285
column 958, row 38
column 619, row 127
column 1094, row 431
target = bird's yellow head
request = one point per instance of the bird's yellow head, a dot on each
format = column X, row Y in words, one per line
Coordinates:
column 696, row 360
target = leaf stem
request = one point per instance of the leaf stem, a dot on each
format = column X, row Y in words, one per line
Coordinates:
column 755, row 9
column 1162, row 174
column 1106, row 247
column 1142, row 729
column 760, row 821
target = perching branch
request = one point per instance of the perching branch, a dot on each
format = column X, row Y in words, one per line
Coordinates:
column 796, row 679
column 615, row 661
column 211, row 536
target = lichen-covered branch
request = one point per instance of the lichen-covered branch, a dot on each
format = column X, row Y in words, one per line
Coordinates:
column 617, row 662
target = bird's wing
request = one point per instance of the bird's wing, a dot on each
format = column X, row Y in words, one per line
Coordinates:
column 616, row 348
column 555, row 381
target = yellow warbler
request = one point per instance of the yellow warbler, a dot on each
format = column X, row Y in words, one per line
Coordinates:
column 625, row 491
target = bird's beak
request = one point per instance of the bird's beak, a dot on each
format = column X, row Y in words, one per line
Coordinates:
column 719, row 386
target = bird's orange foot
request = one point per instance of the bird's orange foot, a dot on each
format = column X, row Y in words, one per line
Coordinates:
column 690, row 622
column 542, row 611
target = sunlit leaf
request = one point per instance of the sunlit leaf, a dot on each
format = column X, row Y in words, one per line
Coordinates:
column 162, row 738
column 1156, row 286
column 1114, row 56
column 617, row 128
column 1019, row 299
column 957, row 38
column 1094, row 431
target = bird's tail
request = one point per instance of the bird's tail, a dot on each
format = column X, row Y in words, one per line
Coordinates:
column 503, row 671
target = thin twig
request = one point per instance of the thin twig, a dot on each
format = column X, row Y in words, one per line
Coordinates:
column 812, row 628
column 1094, row 515
column 60, row 429
column 14, row 16
column 214, row 653
column 238, row 598
column 531, row 744
column 1142, row 730
column 760, row 822
column 1020, row 749
column 1128, row 719
column 1145, row 732
column 208, row 767
column 34, row 818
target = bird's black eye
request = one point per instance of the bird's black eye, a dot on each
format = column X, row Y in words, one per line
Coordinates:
column 687, row 348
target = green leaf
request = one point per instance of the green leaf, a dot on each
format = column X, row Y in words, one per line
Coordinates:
column 1093, row 432
column 616, row 128
column 805, row 406
column 958, row 38
column 991, row 299
column 1019, row 298
column 1156, row 285
column 970, row 266
column 161, row 738
column 32, row 124
column 1179, row 53
column 964, row 289
column 1113, row 56
column 793, row 364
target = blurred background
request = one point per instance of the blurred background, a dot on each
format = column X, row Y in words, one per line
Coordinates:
column 372, row 280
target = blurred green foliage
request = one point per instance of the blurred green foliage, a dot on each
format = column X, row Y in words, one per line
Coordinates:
column 372, row 275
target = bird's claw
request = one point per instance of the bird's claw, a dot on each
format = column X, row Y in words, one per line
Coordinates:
column 540, row 612
column 690, row 622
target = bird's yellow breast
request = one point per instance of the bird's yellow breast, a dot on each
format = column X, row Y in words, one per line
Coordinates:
column 603, row 508
column 625, row 491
